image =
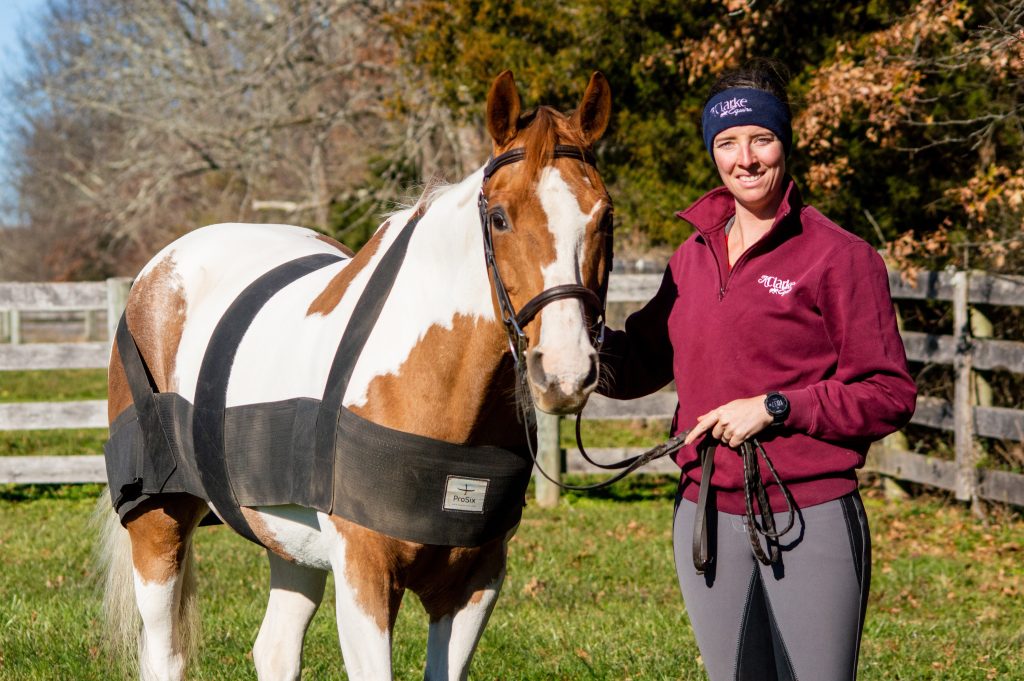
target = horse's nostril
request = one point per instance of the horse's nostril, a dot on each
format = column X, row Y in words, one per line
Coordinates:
column 535, row 368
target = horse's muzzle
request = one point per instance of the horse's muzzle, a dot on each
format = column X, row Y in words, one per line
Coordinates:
column 561, row 387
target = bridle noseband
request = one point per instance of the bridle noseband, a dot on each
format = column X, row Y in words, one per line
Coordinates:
column 514, row 321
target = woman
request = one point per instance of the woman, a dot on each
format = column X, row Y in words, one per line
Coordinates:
column 776, row 325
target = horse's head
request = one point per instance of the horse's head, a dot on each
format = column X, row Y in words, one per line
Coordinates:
column 548, row 221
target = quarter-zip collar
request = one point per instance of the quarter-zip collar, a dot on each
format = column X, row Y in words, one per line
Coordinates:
column 711, row 213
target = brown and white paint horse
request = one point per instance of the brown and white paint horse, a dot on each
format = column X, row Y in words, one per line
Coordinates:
column 436, row 364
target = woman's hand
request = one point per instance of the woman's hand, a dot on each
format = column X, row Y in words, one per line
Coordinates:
column 734, row 422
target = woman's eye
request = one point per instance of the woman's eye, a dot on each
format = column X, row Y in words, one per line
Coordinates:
column 498, row 222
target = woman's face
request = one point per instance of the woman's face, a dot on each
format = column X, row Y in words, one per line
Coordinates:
column 752, row 163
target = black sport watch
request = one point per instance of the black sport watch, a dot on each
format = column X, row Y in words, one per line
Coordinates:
column 777, row 406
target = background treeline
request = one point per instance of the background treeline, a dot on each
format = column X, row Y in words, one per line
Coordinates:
column 138, row 121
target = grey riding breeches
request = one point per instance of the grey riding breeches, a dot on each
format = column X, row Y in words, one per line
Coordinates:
column 801, row 618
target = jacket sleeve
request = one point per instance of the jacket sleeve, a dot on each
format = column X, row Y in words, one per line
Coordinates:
column 638, row 361
column 870, row 393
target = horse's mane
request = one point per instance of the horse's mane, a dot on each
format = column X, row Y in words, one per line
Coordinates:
column 419, row 196
column 540, row 130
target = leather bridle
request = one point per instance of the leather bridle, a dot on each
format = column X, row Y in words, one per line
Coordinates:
column 514, row 321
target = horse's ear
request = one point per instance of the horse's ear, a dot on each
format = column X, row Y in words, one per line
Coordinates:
column 503, row 109
column 595, row 109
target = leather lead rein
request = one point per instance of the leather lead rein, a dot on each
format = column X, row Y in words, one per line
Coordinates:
column 753, row 487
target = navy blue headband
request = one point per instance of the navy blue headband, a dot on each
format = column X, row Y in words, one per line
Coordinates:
column 745, row 106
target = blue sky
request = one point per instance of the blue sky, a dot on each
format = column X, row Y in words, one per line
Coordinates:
column 15, row 19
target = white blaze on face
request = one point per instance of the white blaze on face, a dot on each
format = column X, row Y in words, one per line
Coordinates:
column 564, row 338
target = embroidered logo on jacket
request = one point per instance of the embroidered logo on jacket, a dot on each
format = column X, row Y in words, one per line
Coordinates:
column 731, row 107
column 775, row 285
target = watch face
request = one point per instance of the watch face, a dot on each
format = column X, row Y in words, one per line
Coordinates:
column 776, row 404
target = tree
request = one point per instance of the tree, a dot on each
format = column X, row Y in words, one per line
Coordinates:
column 143, row 120
column 927, row 115
column 884, row 95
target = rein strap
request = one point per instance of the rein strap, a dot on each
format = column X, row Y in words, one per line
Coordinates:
column 753, row 488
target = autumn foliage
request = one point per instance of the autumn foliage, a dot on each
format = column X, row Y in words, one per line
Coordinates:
column 135, row 125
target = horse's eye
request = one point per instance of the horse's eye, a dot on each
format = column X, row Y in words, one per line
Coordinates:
column 498, row 221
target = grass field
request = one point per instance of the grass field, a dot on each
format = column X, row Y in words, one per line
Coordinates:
column 591, row 591
column 591, row 594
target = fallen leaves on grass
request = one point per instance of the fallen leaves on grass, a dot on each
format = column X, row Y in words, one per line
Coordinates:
column 533, row 587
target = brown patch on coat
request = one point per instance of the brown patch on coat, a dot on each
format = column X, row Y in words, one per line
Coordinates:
column 460, row 364
column 160, row 529
column 336, row 244
column 332, row 294
column 119, row 395
column 449, row 578
column 264, row 534
column 156, row 314
column 380, row 568
column 463, row 362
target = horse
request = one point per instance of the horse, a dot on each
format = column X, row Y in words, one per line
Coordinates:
column 444, row 362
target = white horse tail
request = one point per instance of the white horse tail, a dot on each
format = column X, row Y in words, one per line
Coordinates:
column 123, row 623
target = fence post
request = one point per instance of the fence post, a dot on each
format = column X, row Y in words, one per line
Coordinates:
column 549, row 457
column 15, row 327
column 5, row 323
column 89, row 324
column 981, row 390
column 117, row 298
column 963, row 410
column 891, row 486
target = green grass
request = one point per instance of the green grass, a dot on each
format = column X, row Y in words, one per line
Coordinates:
column 591, row 591
column 591, row 594
column 52, row 442
column 62, row 385
column 631, row 433
column 57, row 385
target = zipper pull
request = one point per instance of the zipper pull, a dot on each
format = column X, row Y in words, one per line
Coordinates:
column 721, row 293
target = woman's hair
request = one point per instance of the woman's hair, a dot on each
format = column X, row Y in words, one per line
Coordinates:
column 760, row 74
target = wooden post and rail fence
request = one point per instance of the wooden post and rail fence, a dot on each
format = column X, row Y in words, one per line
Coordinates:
column 970, row 415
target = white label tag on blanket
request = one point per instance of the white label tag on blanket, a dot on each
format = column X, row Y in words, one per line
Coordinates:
column 465, row 494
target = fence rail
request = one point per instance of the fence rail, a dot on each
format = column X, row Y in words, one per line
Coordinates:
column 969, row 349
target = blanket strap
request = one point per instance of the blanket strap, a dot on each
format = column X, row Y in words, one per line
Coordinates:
column 211, row 388
column 364, row 318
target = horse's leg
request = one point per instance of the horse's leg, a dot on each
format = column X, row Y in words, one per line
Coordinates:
column 459, row 599
column 368, row 595
column 295, row 594
column 161, row 537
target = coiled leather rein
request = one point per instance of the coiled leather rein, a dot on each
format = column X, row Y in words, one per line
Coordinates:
column 753, row 489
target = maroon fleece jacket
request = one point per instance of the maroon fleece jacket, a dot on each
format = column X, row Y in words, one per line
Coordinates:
column 805, row 311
